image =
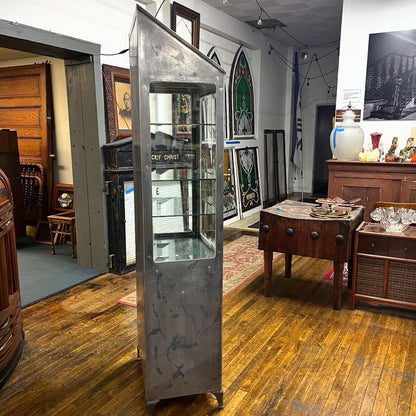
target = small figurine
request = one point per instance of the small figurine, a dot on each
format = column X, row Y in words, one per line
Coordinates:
column 390, row 155
column 404, row 155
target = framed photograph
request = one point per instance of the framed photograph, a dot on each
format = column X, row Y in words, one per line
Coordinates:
column 117, row 97
column 186, row 23
column 63, row 198
column 389, row 85
column 248, row 178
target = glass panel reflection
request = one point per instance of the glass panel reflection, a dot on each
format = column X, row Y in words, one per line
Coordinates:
column 183, row 136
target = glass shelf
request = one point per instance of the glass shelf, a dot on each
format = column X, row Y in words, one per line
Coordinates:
column 181, row 249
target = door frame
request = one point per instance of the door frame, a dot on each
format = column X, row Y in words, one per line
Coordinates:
column 313, row 190
column 87, row 127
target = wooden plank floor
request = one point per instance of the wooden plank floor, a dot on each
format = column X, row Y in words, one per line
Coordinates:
column 291, row 354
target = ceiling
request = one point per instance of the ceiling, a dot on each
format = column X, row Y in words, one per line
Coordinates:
column 307, row 22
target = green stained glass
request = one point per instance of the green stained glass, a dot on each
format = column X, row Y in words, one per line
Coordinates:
column 243, row 110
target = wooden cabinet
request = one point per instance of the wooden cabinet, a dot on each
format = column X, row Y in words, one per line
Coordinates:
column 11, row 324
column 372, row 182
column 9, row 162
column 119, row 189
column 384, row 267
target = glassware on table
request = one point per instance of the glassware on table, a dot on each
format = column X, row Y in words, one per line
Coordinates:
column 394, row 220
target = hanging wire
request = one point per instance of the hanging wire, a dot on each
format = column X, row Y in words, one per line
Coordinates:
column 306, row 77
column 161, row 4
column 290, row 63
column 114, row 54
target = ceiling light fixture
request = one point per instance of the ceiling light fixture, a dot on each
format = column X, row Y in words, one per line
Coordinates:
column 305, row 54
column 264, row 21
column 260, row 22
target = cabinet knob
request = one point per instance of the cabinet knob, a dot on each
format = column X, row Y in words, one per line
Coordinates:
column 266, row 228
column 339, row 238
column 404, row 248
column 372, row 245
column 290, row 231
column 315, row 235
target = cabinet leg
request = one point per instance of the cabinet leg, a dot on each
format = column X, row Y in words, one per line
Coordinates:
column 52, row 238
column 150, row 406
column 219, row 395
column 268, row 258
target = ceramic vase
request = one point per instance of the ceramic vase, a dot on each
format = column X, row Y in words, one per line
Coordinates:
column 375, row 139
column 347, row 139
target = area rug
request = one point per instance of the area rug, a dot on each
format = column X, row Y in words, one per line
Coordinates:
column 330, row 274
column 242, row 262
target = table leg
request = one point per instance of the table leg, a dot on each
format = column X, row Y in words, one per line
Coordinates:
column 268, row 259
column 288, row 266
column 337, row 288
column 73, row 239
column 52, row 237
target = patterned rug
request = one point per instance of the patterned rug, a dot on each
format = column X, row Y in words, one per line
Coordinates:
column 242, row 262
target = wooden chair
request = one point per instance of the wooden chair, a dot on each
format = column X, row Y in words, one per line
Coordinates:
column 33, row 180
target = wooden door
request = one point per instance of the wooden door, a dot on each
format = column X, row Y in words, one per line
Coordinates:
column 408, row 191
column 324, row 114
column 26, row 106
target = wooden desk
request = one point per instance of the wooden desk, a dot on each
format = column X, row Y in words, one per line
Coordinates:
column 62, row 226
column 291, row 230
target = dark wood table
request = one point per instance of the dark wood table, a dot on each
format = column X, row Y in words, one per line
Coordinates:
column 288, row 228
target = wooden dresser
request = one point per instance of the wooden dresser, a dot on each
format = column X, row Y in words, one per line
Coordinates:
column 384, row 267
column 372, row 182
column 11, row 321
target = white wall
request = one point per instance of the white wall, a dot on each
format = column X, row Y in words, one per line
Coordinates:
column 108, row 23
column 359, row 20
column 313, row 95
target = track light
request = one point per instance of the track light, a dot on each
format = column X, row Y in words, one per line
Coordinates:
column 305, row 54
column 224, row 1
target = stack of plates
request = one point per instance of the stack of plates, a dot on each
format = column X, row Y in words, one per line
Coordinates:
column 325, row 213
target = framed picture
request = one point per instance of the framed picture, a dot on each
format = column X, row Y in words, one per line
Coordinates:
column 186, row 23
column 389, row 85
column 230, row 203
column 117, row 97
column 63, row 198
column 249, row 178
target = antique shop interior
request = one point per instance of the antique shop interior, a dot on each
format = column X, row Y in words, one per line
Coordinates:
column 208, row 207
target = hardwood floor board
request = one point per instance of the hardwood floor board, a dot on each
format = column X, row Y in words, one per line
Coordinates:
column 319, row 370
column 352, row 365
column 290, row 354
column 380, row 400
column 384, row 339
column 401, row 342
column 408, row 379
column 292, row 351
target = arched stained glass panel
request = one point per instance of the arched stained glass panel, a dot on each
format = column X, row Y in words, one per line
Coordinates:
column 242, row 114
